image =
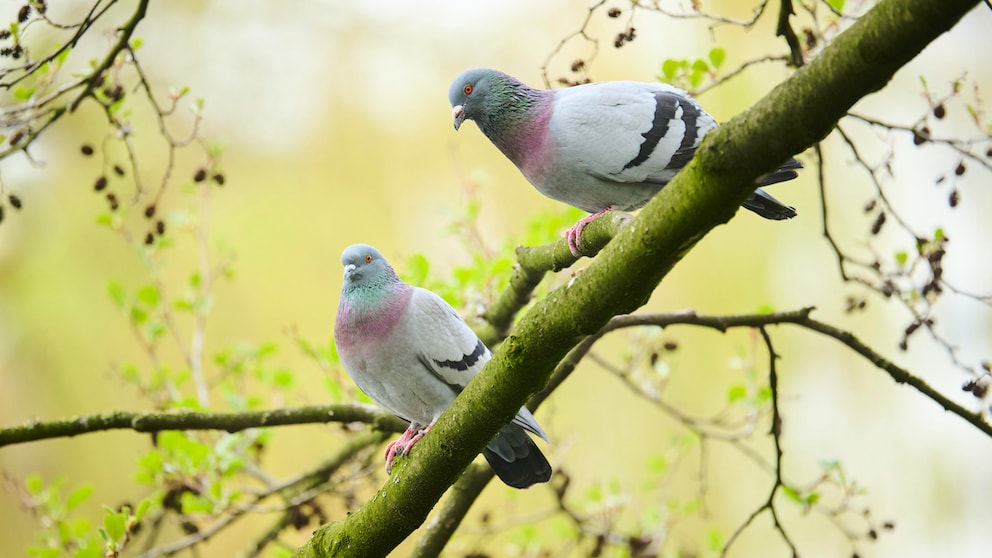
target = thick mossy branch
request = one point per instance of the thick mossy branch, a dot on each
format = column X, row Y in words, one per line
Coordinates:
column 705, row 194
column 189, row 420
column 534, row 262
column 474, row 480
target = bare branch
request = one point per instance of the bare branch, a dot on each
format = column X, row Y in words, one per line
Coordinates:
column 189, row 420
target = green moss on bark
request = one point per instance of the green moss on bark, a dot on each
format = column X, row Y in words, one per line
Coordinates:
column 707, row 193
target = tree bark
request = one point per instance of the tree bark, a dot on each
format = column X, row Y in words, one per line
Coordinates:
column 707, row 193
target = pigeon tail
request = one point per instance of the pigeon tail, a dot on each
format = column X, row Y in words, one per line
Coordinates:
column 782, row 174
column 516, row 459
column 768, row 207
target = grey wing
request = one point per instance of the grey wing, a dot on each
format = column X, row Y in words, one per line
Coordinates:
column 628, row 131
column 450, row 350
column 446, row 346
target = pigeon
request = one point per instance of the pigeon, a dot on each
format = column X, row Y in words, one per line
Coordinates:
column 411, row 352
column 597, row 146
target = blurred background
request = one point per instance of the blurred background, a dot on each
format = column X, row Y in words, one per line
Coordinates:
column 336, row 129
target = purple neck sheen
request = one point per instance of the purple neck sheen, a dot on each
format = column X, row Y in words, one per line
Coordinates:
column 369, row 313
column 517, row 121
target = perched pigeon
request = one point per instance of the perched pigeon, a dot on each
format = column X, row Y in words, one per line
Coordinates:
column 598, row 146
column 409, row 350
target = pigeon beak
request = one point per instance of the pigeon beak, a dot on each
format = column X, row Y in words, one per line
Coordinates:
column 458, row 115
column 348, row 269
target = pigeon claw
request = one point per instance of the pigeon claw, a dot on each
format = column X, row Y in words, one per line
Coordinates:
column 402, row 445
column 574, row 234
column 398, row 447
column 416, row 438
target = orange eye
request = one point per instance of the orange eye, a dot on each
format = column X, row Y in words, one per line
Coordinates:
column 467, row 90
column 368, row 258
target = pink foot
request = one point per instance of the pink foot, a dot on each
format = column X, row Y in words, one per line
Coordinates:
column 403, row 444
column 574, row 234
column 397, row 446
column 416, row 439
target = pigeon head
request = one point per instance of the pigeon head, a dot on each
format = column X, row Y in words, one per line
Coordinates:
column 469, row 94
column 365, row 266
column 491, row 98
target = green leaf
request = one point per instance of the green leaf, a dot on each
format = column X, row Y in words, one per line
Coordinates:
column 136, row 43
column 836, row 5
column 901, row 258
column 78, row 496
column 669, row 68
column 117, row 293
column 717, row 56
column 143, row 507
column 938, row 234
column 736, row 393
column 658, row 464
column 700, row 65
column 22, row 93
column 696, row 78
column 34, row 484
column 283, row 378
column 792, row 494
column 91, row 550
column 138, row 315
column 149, row 295
column 115, row 106
column 595, row 493
column 114, row 524
column 192, row 503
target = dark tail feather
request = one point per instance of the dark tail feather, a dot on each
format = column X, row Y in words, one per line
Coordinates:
column 768, row 207
column 785, row 172
column 515, row 458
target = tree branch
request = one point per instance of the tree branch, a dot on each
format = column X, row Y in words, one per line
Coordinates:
column 188, row 420
column 533, row 262
column 705, row 194
column 477, row 476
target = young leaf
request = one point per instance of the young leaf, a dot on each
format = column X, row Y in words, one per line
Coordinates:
column 717, row 56
column 836, row 5
column 669, row 68
column 149, row 295
column 34, row 484
column 78, row 496
column 114, row 523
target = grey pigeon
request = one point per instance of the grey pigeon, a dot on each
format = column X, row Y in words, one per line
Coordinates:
column 598, row 146
column 412, row 353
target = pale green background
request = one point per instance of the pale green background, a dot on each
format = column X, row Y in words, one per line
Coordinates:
column 337, row 130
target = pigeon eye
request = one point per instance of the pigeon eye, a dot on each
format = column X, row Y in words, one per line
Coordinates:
column 368, row 258
column 467, row 90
